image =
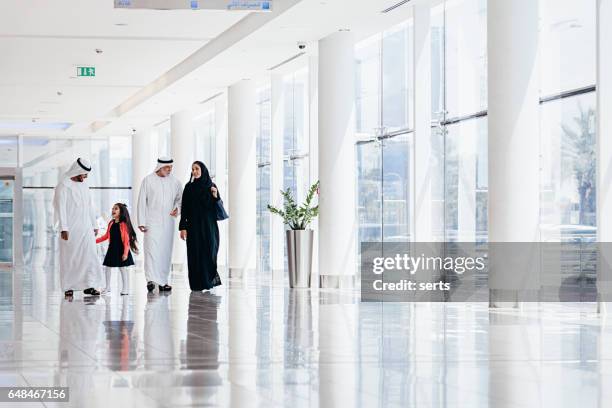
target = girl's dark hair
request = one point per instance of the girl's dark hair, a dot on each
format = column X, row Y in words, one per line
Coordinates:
column 124, row 216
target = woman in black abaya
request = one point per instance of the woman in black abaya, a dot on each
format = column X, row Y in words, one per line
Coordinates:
column 198, row 226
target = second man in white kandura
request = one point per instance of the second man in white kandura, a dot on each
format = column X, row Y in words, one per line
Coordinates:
column 159, row 201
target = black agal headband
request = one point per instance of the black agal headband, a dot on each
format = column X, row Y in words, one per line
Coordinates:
column 82, row 165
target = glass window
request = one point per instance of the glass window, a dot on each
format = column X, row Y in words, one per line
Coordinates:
column 465, row 60
column 296, row 170
column 568, row 169
column 437, row 62
column 264, row 146
column 466, row 184
column 7, row 197
column 568, row 47
column 438, row 136
column 459, row 142
column 396, row 181
column 8, row 151
column 567, row 125
column 383, row 96
column 367, row 86
column 397, row 89
column 369, row 204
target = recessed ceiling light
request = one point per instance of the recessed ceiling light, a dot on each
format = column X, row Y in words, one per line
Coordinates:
column 121, row 24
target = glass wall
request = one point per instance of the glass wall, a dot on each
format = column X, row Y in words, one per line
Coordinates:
column 459, row 125
column 567, row 117
column 384, row 122
column 465, row 181
column 264, row 197
column 296, row 141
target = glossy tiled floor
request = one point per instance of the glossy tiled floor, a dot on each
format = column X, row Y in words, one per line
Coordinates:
column 256, row 343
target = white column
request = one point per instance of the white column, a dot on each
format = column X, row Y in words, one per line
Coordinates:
column 242, row 178
column 423, row 172
column 513, row 127
column 143, row 159
column 338, row 217
column 277, row 228
column 221, row 171
column 144, row 145
column 181, row 142
column 604, row 145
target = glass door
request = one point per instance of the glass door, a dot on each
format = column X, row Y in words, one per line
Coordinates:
column 384, row 127
column 459, row 119
column 7, row 195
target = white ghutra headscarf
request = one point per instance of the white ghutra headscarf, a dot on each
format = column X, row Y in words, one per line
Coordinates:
column 163, row 161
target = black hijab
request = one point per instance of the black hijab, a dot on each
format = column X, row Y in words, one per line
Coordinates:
column 204, row 181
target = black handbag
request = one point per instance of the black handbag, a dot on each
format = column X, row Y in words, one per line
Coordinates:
column 221, row 213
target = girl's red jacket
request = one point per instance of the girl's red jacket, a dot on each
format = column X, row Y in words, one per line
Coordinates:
column 125, row 236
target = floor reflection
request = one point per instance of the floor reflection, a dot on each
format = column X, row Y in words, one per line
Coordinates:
column 120, row 337
column 254, row 342
column 80, row 328
column 159, row 345
column 202, row 346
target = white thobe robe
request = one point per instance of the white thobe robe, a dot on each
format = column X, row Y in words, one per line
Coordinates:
column 79, row 264
column 158, row 197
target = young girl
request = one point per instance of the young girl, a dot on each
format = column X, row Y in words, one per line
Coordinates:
column 122, row 237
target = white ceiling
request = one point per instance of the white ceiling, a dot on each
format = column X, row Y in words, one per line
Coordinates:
column 42, row 41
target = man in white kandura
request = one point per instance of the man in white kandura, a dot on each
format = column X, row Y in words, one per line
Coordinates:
column 159, row 201
column 74, row 215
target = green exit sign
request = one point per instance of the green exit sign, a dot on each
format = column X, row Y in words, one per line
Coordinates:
column 86, row 71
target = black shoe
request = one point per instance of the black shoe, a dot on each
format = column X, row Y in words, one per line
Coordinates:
column 151, row 286
column 91, row 291
column 165, row 288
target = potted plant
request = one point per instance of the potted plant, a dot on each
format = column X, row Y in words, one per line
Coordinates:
column 299, row 237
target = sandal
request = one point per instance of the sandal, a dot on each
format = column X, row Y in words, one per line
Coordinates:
column 165, row 288
column 91, row 291
column 151, row 286
column 69, row 293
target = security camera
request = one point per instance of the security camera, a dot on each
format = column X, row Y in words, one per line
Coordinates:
column 301, row 46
